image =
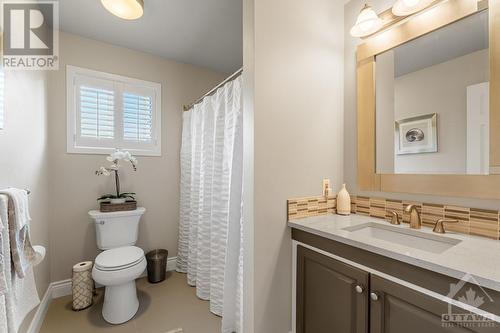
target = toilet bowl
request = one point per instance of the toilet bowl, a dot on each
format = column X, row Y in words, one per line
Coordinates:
column 117, row 269
column 120, row 263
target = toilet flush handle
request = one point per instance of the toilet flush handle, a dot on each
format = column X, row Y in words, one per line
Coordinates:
column 101, row 222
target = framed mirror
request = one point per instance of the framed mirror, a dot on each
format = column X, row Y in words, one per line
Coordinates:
column 432, row 102
column 428, row 117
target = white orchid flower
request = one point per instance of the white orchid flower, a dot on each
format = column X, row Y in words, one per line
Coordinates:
column 104, row 171
column 120, row 155
column 127, row 156
column 114, row 158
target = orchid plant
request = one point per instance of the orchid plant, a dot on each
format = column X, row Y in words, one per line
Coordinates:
column 115, row 158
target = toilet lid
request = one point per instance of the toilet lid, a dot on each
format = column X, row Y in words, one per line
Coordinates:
column 120, row 257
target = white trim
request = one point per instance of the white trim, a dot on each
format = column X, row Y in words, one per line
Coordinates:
column 73, row 144
column 62, row 288
column 171, row 264
column 387, row 277
column 41, row 311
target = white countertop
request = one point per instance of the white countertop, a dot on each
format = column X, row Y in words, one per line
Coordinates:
column 477, row 256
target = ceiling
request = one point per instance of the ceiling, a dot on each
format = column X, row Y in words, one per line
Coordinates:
column 205, row 33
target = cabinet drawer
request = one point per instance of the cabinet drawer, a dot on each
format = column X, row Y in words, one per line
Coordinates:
column 332, row 297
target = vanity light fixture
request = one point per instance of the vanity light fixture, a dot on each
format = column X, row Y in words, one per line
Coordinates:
column 125, row 9
column 367, row 23
column 408, row 7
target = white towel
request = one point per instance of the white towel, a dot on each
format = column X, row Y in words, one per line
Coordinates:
column 4, row 248
column 20, row 205
column 22, row 252
column 3, row 280
column 21, row 296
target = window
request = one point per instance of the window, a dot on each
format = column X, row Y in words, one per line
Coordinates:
column 2, row 87
column 107, row 111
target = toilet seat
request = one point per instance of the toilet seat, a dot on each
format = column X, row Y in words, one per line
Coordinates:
column 119, row 258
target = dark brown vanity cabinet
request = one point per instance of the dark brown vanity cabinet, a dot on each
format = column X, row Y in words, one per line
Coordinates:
column 331, row 296
column 397, row 309
column 334, row 297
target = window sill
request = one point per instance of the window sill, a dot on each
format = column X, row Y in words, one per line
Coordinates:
column 106, row 151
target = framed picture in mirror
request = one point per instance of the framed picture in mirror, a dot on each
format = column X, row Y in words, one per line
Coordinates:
column 416, row 135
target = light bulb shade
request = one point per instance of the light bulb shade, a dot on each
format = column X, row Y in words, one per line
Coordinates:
column 408, row 7
column 367, row 23
column 125, row 9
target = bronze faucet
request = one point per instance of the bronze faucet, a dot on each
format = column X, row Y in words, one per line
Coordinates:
column 415, row 220
column 439, row 227
column 395, row 218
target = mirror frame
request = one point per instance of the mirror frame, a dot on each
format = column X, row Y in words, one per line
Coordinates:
column 400, row 32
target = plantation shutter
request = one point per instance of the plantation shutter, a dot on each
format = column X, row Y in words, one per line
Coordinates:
column 108, row 111
column 2, row 87
column 97, row 112
column 137, row 117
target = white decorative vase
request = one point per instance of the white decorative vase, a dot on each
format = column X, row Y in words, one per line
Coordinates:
column 343, row 202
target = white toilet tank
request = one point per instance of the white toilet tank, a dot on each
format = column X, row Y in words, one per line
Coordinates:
column 116, row 229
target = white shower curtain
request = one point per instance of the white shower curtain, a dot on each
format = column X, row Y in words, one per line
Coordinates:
column 210, row 231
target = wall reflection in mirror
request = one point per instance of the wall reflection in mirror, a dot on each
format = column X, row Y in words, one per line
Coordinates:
column 432, row 95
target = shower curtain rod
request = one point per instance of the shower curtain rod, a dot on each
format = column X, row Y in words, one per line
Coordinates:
column 213, row 90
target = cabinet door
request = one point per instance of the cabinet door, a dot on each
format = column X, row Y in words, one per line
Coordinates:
column 397, row 309
column 327, row 299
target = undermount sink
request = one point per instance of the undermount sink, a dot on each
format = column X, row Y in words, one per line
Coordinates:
column 406, row 237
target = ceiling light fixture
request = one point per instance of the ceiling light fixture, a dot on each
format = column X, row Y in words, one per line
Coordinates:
column 367, row 23
column 125, row 9
column 408, row 7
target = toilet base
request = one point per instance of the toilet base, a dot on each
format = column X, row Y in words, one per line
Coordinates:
column 120, row 303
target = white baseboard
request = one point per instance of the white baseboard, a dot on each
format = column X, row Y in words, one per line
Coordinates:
column 41, row 311
column 171, row 264
column 63, row 288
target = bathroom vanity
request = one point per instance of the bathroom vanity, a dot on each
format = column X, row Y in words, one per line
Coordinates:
column 428, row 123
column 361, row 274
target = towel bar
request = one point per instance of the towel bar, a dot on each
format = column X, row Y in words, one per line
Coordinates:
column 27, row 190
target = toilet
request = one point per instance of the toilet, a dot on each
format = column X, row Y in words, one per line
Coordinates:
column 120, row 264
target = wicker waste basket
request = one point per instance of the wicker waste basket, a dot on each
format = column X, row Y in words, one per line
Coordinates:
column 82, row 285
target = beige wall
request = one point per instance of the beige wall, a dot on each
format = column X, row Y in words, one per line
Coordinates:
column 24, row 158
column 351, row 11
column 248, row 76
column 296, row 64
column 74, row 187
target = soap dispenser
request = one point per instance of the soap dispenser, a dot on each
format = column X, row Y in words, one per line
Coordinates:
column 343, row 202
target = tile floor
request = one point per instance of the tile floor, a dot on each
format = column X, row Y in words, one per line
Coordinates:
column 165, row 306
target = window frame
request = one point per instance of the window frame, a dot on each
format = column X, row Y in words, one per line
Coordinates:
column 120, row 84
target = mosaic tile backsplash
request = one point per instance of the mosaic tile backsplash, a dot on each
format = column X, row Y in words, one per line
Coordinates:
column 473, row 221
